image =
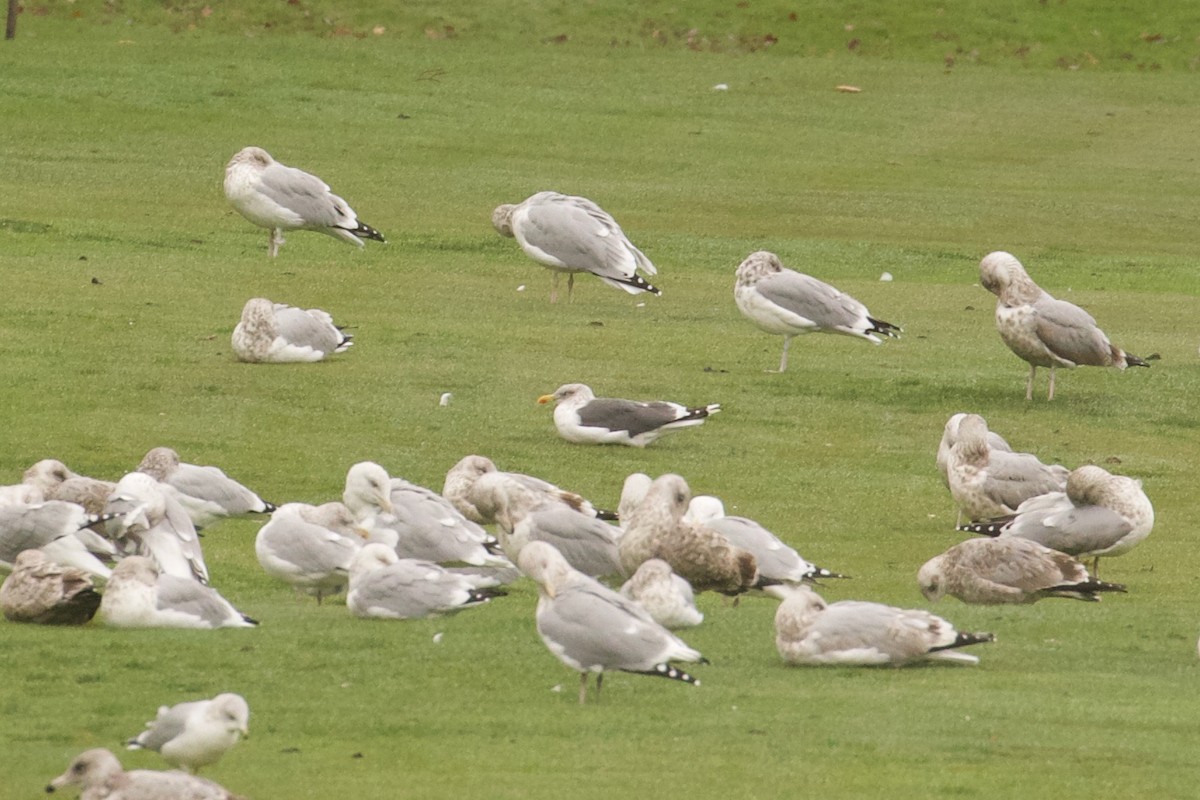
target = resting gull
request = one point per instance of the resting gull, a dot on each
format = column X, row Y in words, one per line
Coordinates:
column 278, row 333
column 1007, row 570
column 591, row 628
column 583, row 418
column 385, row 586
column 148, row 520
column 572, row 234
column 1043, row 330
column 463, row 477
column 138, row 596
column 100, row 775
column 310, row 547
column 208, row 493
column 988, row 483
column 667, row 597
column 278, row 198
column 196, row 734
column 57, row 482
column 633, row 491
column 783, row 301
column 55, row 527
column 776, row 560
column 700, row 555
column 809, row 631
column 1099, row 514
column 45, row 593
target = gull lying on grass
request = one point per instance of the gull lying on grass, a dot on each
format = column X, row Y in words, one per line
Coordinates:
column 208, row 494
column 56, row 528
column 138, row 596
column 810, row 631
column 463, row 476
column 583, row 418
column 1042, row 330
column 591, row 628
column 1099, row 514
column 278, row 333
column 42, row 592
column 385, row 586
column 100, row 775
column 148, row 520
column 666, row 597
column 783, row 301
column 278, row 198
column 310, row 547
column 1008, row 570
column 572, row 234
column 57, row 482
column 196, row 734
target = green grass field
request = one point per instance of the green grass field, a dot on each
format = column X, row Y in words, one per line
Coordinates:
column 1063, row 132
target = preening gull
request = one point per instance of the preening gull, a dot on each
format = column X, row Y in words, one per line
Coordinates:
column 55, row 527
column 385, row 586
column 950, row 437
column 633, row 491
column 45, row 593
column 809, row 631
column 667, row 597
column 591, row 628
column 310, row 547
column 1099, row 514
column 1045, row 331
column 783, row 301
column 463, row 477
column 278, row 333
column 148, row 520
column 987, row 483
column 208, row 493
column 57, row 482
column 138, row 596
column 416, row 522
column 583, row 418
column 279, row 198
column 100, row 775
column 21, row 494
column 1008, row 570
column 776, row 560
column 572, row 234
column 698, row 554
column 196, row 734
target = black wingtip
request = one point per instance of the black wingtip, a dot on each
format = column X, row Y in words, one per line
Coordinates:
column 269, row 508
column 821, row 572
column 885, row 328
column 993, row 527
column 604, row 513
column 1133, row 361
column 667, row 671
column 365, row 231
column 638, row 282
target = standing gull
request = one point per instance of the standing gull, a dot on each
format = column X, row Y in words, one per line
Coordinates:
column 666, row 597
column 45, row 593
column 279, row 198
column 100, row 775
column 950, row 437
column 783, row 301
column 385, row 586
column 196, row 734
column 278, row 333
column 138, row 596
column 208, row 493
column 1099, row 514
column 583, row 418
column 1007, row 570
column 310, row 547
column 591, row 628
column 572, row 234
column 809, row 631
column 1042, row 330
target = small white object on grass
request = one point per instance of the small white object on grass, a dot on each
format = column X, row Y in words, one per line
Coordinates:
column 886, row 277
column 721, row 87
column 521, row 288
column 445, row 399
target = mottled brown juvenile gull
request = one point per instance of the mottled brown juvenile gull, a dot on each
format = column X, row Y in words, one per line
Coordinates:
column 1045, row 331
column 208, row 493
column 989, row 483
column 278, row 333
column 45, row 593
column 700, row 555
column 572, row 234
column 385, row 586
column 1099, row 514
column 591, row 628
column 138, row 596
column 416, row 522
column 148, row 520
column 809, row 631
column 666, row 597
column 54, row 527
column 463, row 477
column 776, row 560
column 278, row 198
column 583, row 418
column 195, row 734
column 57, row 482
column 1008, row 570
column 310, row 547
column 99, row 774
column 950, row 437
column 783, row 301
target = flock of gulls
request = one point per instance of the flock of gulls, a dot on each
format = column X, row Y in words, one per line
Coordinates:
column 613, row 586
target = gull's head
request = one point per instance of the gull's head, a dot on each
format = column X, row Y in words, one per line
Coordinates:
column 159, row 463
column 502, row 219
column 30, row 560
column 668, row 493
column 998, row 270
column 375, row 555
column 253, row 157
column 633, row 491
column 231, row 711
column 543, row 563
column 90, row 768
column 134, row 569
column 931, row 580
column 575, row 394
column 1087, row 484
column 471, row 467
column 47, row 473
column 653, row 570
column 368, row 486
column 144, row 490
column 336, row 517
column 757, row 266
column 704, row 508
column 972, row 434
